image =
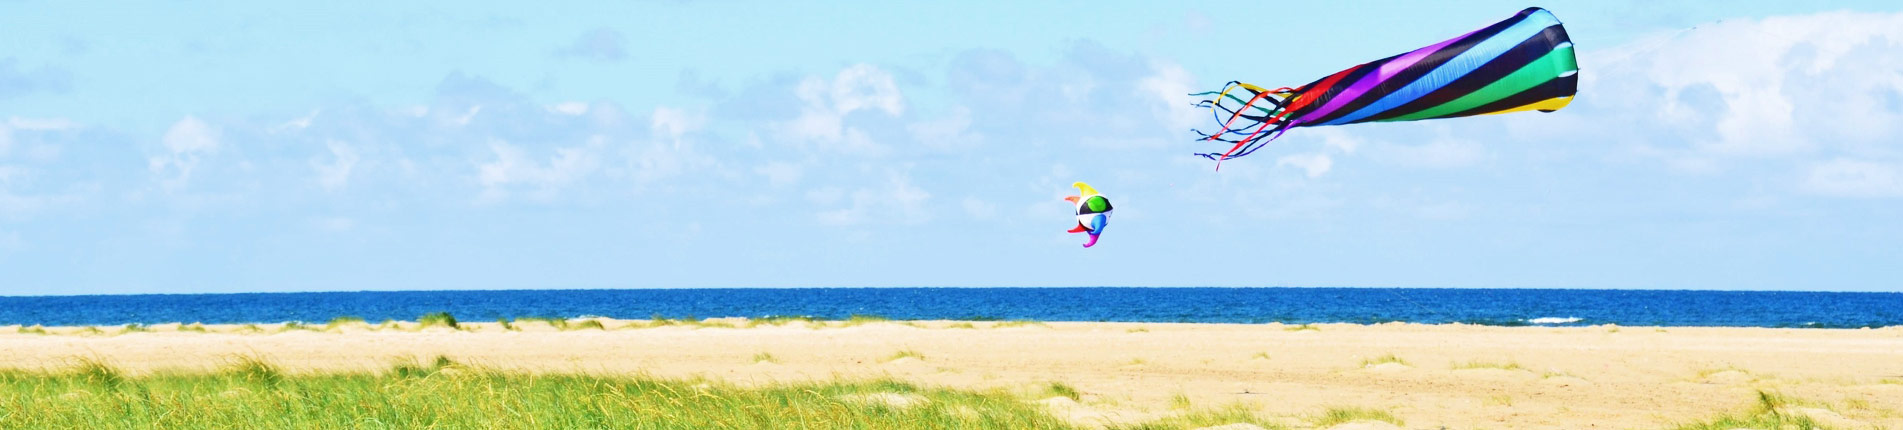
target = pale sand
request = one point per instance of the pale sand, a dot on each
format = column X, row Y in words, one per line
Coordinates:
column 1571, row 378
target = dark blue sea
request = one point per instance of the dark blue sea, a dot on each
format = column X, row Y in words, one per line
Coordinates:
column 1210, row 305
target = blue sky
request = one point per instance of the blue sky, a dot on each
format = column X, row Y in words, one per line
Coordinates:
column 240, row 146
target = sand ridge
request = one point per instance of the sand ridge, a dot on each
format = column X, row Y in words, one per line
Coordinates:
column 1458, row 376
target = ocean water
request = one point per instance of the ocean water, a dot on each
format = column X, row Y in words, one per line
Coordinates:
column 1212, row 305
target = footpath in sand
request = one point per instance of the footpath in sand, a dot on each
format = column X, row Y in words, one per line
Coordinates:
column 1427, row 376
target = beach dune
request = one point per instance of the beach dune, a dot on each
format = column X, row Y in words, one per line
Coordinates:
column 1457, row 376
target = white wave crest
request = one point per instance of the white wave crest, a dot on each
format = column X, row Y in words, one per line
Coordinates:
column 1553, row 320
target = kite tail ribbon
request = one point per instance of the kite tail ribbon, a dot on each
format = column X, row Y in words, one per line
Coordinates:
column 1260, row 119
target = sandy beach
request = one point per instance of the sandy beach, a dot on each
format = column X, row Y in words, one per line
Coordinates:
column 1429, row 376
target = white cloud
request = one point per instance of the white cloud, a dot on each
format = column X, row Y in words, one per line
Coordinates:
column 299, row 123
column 949, row 132
column 1854, row 178
column 897, row 201
column 186, row 142
column 1444, row 152
column 673, row 123
column 780, row 174
column 569, row 108
column 1168, row 89
column 335, row 175
column 827, row 103
column 513, row 166
column 1314, row 165
column 1776, row 86
column 601, row 44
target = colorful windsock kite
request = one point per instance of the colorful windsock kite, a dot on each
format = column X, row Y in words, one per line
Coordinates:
column 1523, row 63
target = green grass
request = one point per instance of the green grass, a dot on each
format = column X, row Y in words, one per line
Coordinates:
column 1179, row 402
column 1390, row 358
column 253, row 394
column 905, row 353
column 293, row 325
column 338, row 323
column 1477, row 364
column 33, row 329
column 134, row 328
column 437, row 319
column 857, row 319
column 585, row 325
column 1767, row 413
column 1018, row 323
column 193, row 327
column 90, row 330
column 1205, row 418
column 250, row 328
column 765, row 357
column 1341, row 415
column 1060, row 389
column 779, row 321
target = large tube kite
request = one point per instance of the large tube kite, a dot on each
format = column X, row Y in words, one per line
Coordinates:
column 1523, row 63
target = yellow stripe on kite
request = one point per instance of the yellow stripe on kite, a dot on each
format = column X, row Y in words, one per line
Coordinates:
column 1548, row 104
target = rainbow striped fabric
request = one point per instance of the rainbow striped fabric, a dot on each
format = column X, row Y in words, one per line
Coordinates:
column 1523, row 63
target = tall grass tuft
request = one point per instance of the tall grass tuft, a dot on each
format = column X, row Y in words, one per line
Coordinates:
column 1062, row 390
column 904, row 354
column 1302, row 327
column 857, row 319
column 254, row 370
column 1342, row 415
column 585, row 325
column 250, row 397
column 1232, row 414
column 1389, row 358
column 134, row 328
column 1769, row 412
column 1018, row 323
column 437, row 319
column 340, row 322
column 1477, row 364
column 96, row 372
column 193, row 327
column 33, row 329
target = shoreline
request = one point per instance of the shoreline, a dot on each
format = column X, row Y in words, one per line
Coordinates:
column 1456, row 375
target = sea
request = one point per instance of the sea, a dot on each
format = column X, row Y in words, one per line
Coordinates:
column 1503, row 307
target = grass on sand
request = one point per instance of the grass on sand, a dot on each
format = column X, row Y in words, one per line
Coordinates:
column 440, row 393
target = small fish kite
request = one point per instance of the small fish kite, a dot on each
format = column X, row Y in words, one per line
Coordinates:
column 1093, row 212
column 1523, row 63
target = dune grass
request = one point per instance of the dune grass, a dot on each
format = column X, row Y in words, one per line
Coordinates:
column 1385, row 359
column 765, row 357
column 1769, row 412
column 1233, row 414
column 904, row 354
column 1341, row 415
column 33, row 329
column 1018, row 323
column 438, row 319
column 1302, row 327
column 961, row 325
column 1479, row 364
column 1063, row 390
column 251, row 393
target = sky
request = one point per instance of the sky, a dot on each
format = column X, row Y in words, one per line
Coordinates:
column 164, row 147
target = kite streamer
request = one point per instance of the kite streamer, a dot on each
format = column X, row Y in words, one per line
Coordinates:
column 1523, row 63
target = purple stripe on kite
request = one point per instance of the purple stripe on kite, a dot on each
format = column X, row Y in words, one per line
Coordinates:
column 1387, row 70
